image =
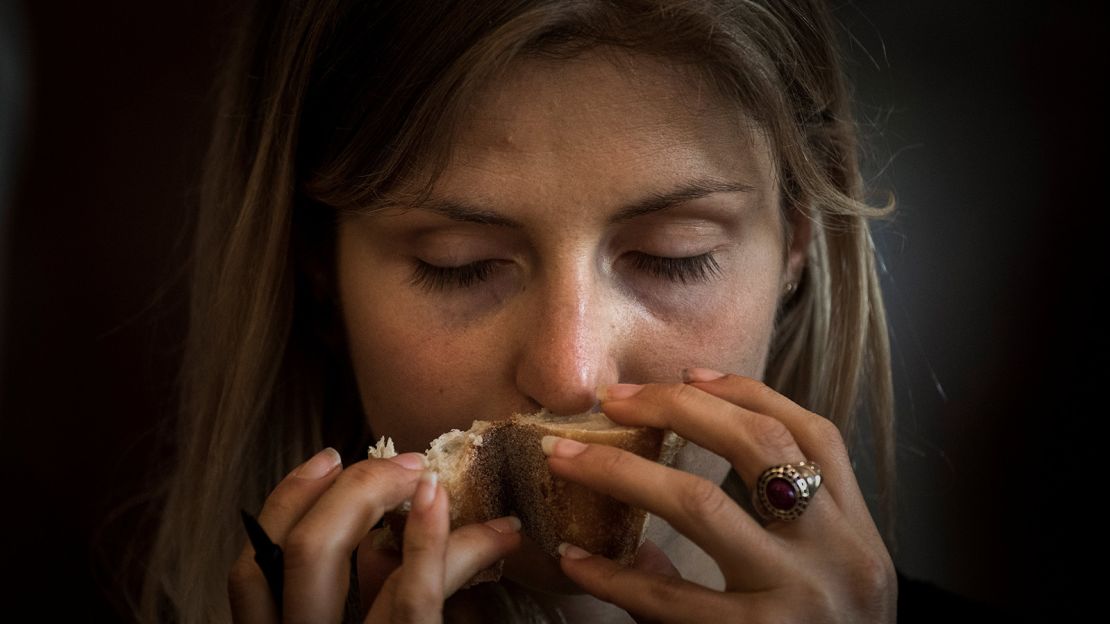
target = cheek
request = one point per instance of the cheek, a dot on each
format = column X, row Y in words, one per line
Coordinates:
column 729, row 329
column 733, row 339
column 410, row 375
column 413, row 382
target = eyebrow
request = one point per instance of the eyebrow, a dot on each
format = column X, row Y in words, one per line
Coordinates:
column 687, row 192
column 697, row 189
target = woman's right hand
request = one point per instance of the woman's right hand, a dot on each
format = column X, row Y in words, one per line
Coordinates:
column 320, row 513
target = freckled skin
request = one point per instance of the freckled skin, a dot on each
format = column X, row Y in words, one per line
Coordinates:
column 560, row 147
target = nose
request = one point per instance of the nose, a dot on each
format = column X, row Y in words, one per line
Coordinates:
column 568, row 342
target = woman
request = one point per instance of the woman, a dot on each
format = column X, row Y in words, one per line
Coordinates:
column 417, row 214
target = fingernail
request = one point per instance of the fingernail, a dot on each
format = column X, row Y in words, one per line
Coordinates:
column 508, row 524
column 320, row 465
column 411, row 461
column 554, row 446
column 425, row 491
column 614, row 392
column 570, row 551
column 700, row 374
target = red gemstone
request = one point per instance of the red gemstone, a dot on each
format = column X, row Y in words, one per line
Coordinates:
column 781, row 495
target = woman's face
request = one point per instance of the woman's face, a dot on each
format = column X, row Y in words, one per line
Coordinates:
column 595, row 225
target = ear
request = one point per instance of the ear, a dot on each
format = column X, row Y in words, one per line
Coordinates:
column 800, row 235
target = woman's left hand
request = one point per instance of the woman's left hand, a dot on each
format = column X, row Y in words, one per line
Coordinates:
column 829, row 565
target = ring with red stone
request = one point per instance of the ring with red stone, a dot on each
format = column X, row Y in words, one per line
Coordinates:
column 783, row 492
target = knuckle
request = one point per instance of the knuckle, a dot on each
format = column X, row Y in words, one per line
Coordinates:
column 825, row 432
column 700, row 498
column 375, row 482
column 685, row 392
column 754, row 387
column 873, row 577
column 280, row 506
column 680, row 393
column 301, row 548
column 761, row 388
column 668, row 590
column 611, row 460
column 818, row 599
column 867, row 584
column 771, row 434
column 364, row 474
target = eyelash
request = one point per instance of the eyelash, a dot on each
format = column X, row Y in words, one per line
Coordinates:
column 688, row 270
column 436, row 278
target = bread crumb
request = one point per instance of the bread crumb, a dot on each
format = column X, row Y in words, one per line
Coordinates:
column 383, row 449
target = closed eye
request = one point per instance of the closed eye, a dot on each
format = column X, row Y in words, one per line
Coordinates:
column 438, row 278
column 687, row 270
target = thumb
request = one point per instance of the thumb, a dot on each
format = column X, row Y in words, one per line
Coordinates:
column 651, row 558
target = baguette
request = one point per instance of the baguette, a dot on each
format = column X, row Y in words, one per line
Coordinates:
column 497, row 468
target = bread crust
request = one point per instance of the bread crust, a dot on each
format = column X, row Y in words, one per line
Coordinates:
column 554, row 510
column 497, row 468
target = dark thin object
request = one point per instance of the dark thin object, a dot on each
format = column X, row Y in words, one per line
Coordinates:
column 267, row 554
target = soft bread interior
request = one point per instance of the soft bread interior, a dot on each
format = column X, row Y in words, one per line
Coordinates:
column 469, row 464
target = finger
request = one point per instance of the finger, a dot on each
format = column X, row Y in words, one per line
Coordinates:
column 415, row 591
column 744, row 391
column 420, row 591
column 251, row 601
column 694, row 506
column 318, row 548
column 378, row 556
column 297, row 492
column 248, row 592
column 750, row 441
column 646, row 595
column 651, row 559
column 471, row 549
column 476, row 547
column 817, row 437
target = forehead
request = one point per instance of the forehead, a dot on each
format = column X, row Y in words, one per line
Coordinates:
column 610, row 120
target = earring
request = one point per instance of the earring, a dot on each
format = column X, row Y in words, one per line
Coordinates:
column 789, row 289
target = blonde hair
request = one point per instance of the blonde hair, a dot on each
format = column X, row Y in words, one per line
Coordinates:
column 327, row 104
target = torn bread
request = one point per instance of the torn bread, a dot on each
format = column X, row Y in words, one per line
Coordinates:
column 497, row 468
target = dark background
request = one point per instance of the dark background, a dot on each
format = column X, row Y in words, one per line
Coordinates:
column 984, row 119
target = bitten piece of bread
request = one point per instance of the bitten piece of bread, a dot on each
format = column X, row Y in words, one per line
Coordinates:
column 497, row 468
